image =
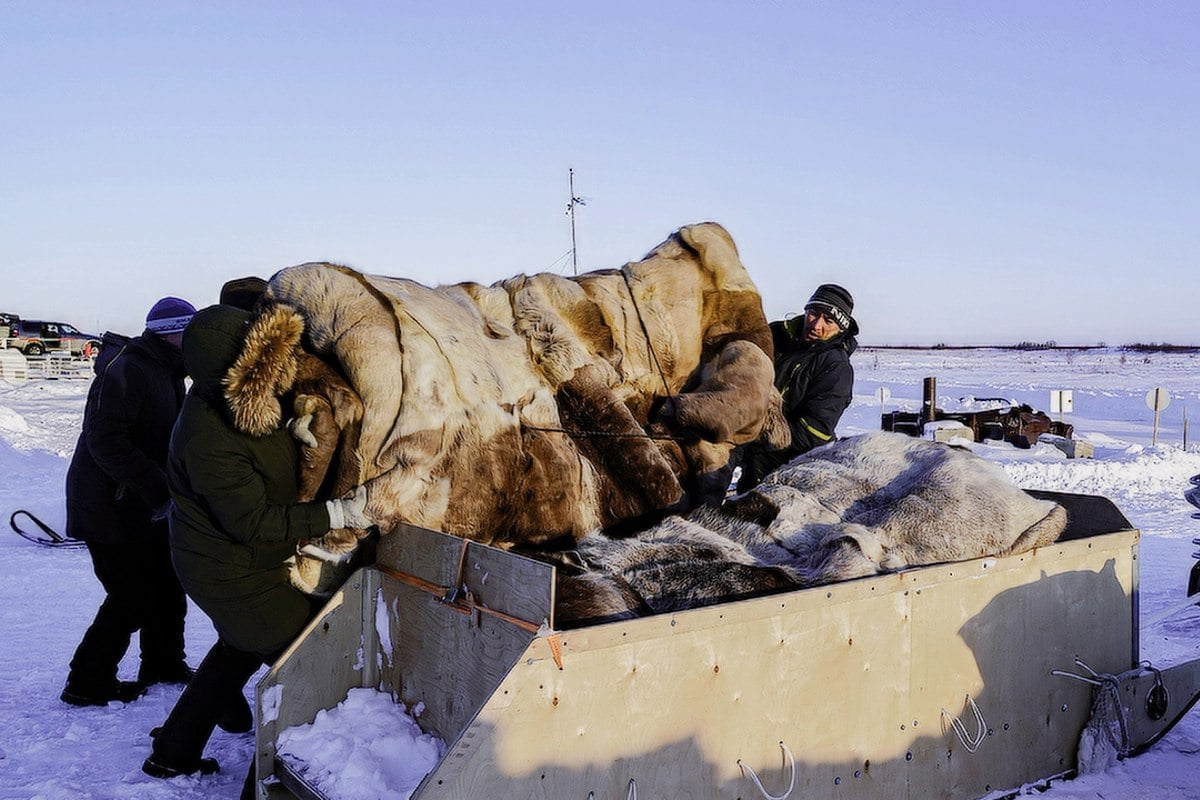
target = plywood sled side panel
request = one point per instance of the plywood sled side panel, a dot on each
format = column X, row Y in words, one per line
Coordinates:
column 675, row 705
column 497, row 579
column 989, row 633
column 850, row 678
column 445, row 660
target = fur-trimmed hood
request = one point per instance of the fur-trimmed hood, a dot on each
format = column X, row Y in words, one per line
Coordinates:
column 243, row 367
column 264, row 370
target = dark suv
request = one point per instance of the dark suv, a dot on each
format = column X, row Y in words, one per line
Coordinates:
column 33, row 337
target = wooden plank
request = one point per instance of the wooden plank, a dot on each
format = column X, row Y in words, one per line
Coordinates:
column 676, row 705
column 446, row 660
column 498, row 579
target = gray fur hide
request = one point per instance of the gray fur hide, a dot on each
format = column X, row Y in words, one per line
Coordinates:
column 860, row 506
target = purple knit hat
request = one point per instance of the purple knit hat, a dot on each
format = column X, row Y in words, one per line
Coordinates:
column 169, row 315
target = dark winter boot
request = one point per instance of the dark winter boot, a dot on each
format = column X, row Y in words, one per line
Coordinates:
column 237, row 717
column 119, row 691
column 220, row 677
column 178, row 672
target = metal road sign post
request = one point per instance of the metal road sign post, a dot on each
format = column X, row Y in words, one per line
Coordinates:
column 1157, row 399
column 883, row 394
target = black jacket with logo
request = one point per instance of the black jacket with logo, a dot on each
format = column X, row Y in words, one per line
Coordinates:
column 816, row 381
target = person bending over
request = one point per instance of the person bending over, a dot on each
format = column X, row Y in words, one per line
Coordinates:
column 235, row 523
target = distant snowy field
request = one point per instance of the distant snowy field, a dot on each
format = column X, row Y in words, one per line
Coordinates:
column 47, row 598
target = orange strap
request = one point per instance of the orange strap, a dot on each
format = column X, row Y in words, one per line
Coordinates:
column 464, row 605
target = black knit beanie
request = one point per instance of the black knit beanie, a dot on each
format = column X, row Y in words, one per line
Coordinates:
column 243, row 293
column 835, row 302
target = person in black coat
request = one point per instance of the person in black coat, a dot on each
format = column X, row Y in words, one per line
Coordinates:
column 117, row 500
column 813, row 374
column 236, row 522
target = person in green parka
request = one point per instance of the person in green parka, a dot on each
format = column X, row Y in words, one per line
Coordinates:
column 234, row 523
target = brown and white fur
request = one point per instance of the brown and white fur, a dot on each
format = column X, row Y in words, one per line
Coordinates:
column 536, row 408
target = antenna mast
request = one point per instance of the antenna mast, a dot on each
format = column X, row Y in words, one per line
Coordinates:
column 574, row 201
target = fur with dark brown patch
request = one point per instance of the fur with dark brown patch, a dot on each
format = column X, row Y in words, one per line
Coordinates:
column 519, row 412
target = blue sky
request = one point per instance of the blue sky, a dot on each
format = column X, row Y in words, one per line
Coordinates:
column 974, row 172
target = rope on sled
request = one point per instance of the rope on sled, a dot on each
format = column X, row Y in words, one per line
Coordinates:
column 609, row 434
column 630, row 795
column 971, row 743
column 758, row 783
column 1105, row 738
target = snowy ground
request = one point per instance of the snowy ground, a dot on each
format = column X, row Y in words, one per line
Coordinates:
column 47, row 598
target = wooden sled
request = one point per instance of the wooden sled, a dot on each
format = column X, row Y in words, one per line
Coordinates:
column 934, row 682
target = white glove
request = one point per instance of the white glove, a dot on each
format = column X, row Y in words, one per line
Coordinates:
column 299, row 428
column 349, row 512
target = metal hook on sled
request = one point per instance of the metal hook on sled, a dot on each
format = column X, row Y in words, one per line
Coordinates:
column 791, row 781
column 971, row 743
column 1157, row 699
column 630, row 795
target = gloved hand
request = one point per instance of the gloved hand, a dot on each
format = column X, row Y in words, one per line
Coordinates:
column 299, row 429
column 349, row 512
column 161, row 513
column 335, row 546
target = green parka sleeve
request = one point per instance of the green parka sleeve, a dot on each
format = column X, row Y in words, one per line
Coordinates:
column 249, row 490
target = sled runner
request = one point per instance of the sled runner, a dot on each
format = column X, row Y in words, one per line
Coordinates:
column 943, row 681
column 44, row 535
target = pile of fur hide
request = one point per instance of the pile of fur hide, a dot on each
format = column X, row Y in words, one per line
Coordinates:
column 543, row 412
column 860, row 506
column 537, row 408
